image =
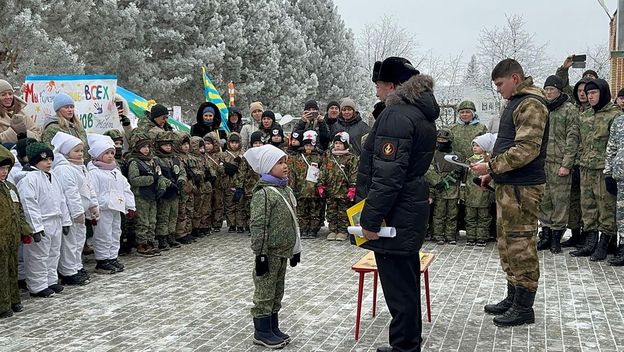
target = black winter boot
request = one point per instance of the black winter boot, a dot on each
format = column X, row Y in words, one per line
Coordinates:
column 591, row 239
column 555, row 241
column 574, row 240
column 276, row 330
column 263, row 334
column 171, row 240
column 600, row 252
column 105, row 267
column 521, row 312
column 163, row 245
column 545, row 239
column 618, row 259
column 502, row 306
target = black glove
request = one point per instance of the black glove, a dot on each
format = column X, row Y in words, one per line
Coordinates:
column 230, row 169
column 37, row 236
column 212, row 179
column 65, row 230
column 197, row 180
column 262, row 265
column 611, row 185
column 238, row 194
column 125, row 121
column 237, row 159
column 295, row 259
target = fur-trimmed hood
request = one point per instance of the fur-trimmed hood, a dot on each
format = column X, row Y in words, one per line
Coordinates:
column 417, row 91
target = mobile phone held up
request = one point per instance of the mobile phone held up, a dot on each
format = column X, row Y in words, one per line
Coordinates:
column 579, row 61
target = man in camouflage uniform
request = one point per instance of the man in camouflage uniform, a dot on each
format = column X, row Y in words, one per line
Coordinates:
column 517, row 167
column 598, row 205
column 563, row 74
column 614, row 178
column 203, row 188
column 446, row 180
column 167, row 206
column 217, row 173
column 563, row 142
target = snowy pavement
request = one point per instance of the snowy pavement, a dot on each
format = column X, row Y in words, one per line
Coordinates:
column 197, row 299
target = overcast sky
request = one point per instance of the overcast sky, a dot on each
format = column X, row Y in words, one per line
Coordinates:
column 450, row 27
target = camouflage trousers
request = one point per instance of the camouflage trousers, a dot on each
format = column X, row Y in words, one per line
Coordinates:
column 445, row 219
column 246, row 208
column 620, row 211
column 269, row 288
column 216, row 216
column 597, row 205
column 234, row 211
column 478, row 223
column 9, row 292
column 574, row 213
column 145, row 220
column 202, row 206
column 167, row 217
column 308, row 214
column 517, row 208
column 337, row 214
column 184, row 225
column 555, row 206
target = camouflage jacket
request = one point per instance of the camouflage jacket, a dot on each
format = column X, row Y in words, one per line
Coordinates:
column 563, row 135
column 199, row 167
column 234, row 158
column 475, row 197
column 14, row 224
column 215, row 166
column 273, row 228
column 463, row 135
column 563, row 74
column 247, row 178
column 298, row 171
column 594, row 129
column 338, row 174
column 445, row 177
column 614, row 162
column 150, row 128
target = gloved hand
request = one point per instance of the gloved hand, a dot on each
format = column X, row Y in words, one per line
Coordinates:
column 125, row 121
column 611, row 185
column 295, row 259
column 238, row 194
column 95, row 212
column 262, row 265
column 27, row 239
column 230, row 169
column 37, row 236
column 237, row 159
column 351, row 193
column 320, row 190
column 212, row 179
column 66, row 230
column 80, row 219
column 131, row 214
column 18, row 124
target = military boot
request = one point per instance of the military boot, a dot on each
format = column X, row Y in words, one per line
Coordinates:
column 545, row 239
column 276, row 330
column 591, row 239
column 555, row 241
column 144, row 250
column 502, row 306
column 574, row 240
column 263, row 334
column 163, row 245
column 600, row 252
column 172, row 242
column 618, row 258
column 521, row 311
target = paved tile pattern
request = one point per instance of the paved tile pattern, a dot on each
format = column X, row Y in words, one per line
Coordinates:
column 197, row 299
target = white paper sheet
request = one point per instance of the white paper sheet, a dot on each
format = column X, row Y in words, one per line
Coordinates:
column 389, row 232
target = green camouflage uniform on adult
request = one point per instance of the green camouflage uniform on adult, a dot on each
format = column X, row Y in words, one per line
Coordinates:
column 464, row 133
column 517, row 225
column 273, row 233
column 563, row 143
column 143, row 178
column 614, row 167
column 309, row 203
column 339, row 172
column 218, row 188
column 478, row 201
column 171, row 168
column 149, row 127
column 203, row 188
column 186, row 203
column 14, row 226
column 234, row 211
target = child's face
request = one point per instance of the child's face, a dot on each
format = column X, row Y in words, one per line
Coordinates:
column 118, row 144
column 202, row 149
column 267, row 122
column 442, row 140
column 257, row 144
column 280, row 170
column 145, row 150
column 339, row 146
column 166, row 147
column 234, row 145
column 44, row 165
column 77, row 153
column 109, row 156
column 477, row 149
column 208, row 117
column 295, row 143
column 308, row 148
column 208, row 147
column 185, row 147
column 466, row 115
column 276, row 139
column 4, row 171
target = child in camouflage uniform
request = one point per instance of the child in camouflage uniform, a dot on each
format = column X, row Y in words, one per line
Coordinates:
column 171, row 168
column 217, row 179
column 247, row 178
column 14, row 227
column 478, row 217
column 274, row 239
column 231, row 159
column 305, row 172
column 338, row 177
column 143, row 176
column 277, row 137
column 205, row 223
column 445, row 180
column 184, row 226
column 203, row 187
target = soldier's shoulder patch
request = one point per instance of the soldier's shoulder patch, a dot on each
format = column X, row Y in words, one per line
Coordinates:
column 388, row 149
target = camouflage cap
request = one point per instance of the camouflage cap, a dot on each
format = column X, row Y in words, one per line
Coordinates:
column 466, row 104
column 445, row 133
column 114, row 134
column 165, row 137
column 138, row 140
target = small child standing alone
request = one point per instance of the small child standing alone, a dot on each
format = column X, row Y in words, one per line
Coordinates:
column 274, row 239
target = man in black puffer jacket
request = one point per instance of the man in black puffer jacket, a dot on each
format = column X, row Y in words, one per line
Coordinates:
column 394, row 159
